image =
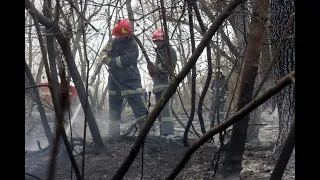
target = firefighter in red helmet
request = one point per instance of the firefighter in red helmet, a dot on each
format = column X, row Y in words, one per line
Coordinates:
column 160, row 74
column 124, row 80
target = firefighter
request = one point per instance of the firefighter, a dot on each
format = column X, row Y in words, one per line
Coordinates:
column 124, row 80
column 223, row 95
column 160, row 74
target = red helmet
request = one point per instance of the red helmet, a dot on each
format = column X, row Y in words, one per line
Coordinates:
column 158, row 35
column 122, row 28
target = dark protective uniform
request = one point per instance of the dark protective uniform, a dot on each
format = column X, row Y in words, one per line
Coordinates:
column 161, row 82
column 124, row 80
column 223, row 99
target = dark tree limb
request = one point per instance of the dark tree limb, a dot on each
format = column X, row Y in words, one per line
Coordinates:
column 55, row 92
column 172, row 89
column 44, row 119
column 83, row 10
column 285, row 154
column 166, row 35
column 42, row 47
column 200, row 31
column 209, row 75
column 65, row 46
column 193, row 76
column 231, row 166
column 230, row 121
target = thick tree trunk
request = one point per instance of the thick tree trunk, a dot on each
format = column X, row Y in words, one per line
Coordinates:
column 255, row 116
column 231, row 166
column 280, row 12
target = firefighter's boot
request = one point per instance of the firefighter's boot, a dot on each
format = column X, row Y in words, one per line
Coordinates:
column 114, row 130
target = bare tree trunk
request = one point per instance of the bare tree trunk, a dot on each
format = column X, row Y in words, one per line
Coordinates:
column 183, row 59
column 39, row 74
column 30, row 43
column 30, row 58
column 209, row 75
column 43, row 115
column 154, row 17
column 130, row 13
column 231, row 166
column 193, row 79
column 280, row 12
column 65, row 46
column 255, row 116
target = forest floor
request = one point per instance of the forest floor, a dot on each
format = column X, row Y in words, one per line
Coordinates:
column 160, row 156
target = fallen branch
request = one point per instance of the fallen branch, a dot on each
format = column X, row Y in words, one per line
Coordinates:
column 37, row 152
column 230, row 121
column 172, row 89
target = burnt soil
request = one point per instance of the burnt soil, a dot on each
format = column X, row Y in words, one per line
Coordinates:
column 160, row 156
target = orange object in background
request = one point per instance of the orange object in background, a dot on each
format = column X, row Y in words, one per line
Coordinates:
column 45, row 93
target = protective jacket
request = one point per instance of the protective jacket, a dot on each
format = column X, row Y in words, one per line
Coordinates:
column 124, row 76
column 162, row 75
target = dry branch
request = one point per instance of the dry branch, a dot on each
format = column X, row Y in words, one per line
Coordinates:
column 172, row 88
column 65, row 46
column 209, row 75
column 193, row 76
column 230, row 121
column 44, row 119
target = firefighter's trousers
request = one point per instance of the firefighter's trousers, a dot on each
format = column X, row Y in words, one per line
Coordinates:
column 165, row 117
column 115, row 105
column 222, row 111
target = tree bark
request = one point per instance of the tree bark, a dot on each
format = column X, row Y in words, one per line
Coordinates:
column 280, row 12
column 231, row 165
column 255, row 116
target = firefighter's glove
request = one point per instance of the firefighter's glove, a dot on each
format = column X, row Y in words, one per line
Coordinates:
column 106, row 60
column 151, row 69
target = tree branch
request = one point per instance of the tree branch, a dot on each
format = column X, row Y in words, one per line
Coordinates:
column 230, row 121
column 172, row 88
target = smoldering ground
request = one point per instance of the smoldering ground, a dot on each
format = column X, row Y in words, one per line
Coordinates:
column 159, row 155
